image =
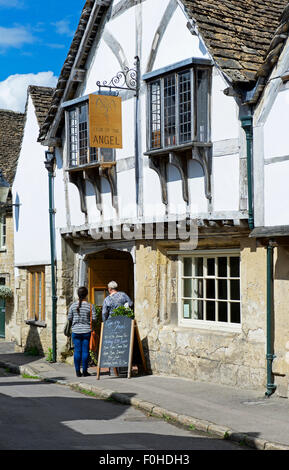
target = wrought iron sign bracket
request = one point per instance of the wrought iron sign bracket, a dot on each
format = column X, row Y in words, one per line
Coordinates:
column 127, row 79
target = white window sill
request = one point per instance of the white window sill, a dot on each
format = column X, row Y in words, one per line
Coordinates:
column 211, row 326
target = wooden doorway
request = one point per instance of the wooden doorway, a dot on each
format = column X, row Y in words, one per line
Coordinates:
column 106, row 266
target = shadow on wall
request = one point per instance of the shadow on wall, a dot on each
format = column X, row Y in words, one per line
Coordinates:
column 146, row 354
column 33, row 344
column 282, row 263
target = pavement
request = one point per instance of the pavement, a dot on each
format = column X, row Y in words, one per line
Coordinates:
column 240, row 415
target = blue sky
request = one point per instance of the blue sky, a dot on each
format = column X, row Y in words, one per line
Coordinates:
column 34, row 40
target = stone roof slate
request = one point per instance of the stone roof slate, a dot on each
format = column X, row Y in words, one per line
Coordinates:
column 243, row 36
column 11, row 133
column 41, row 97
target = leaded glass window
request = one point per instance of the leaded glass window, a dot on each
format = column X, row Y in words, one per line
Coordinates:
column 179, row 108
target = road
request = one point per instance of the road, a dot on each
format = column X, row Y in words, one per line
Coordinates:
column 45, row 416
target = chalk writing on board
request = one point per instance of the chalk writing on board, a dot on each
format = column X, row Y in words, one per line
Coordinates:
column 116, row 342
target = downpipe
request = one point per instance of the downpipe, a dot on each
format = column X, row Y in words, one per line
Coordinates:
column 247, row 125
column 269, row 356
column 49, row 165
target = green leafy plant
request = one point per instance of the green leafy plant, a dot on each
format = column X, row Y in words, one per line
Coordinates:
column 6, row 292
column 49, row 357
column 27, row 376
column 93, row 357
column 98, row 311
column 123, row 311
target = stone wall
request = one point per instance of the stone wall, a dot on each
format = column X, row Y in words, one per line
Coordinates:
column 280, row 324
column 7, row 271
column 229, row 358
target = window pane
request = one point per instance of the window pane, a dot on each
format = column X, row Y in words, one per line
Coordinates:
column 185, row 106
column 198, row 288
column 83, row 135
column 222, row 267
column 170, row 110
column 39, row 295
column 210, row 288
column 223, row 311
column 210, row 311
column 198, row 310
column 187, row 266
column 198, row 266
column 99, row 296
column 235, row 313
column 234, row 267
column 73, row 137
column 211, row 266
column 93, row 154
column 107, row 155
column 187, row 309
column 187, row 288
column 202, row 104
column 155, row 114
column 235, row 290
column 222, row 289
column 33, row 302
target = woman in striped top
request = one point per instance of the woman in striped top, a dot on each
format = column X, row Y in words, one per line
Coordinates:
column 79, row 315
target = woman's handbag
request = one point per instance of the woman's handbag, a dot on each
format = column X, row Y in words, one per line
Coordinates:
column 67, row 328
column 94, row 337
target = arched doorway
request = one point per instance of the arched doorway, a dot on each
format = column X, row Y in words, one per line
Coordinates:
column 109, row 265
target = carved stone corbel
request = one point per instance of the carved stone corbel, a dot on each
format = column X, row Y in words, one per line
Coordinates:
column 92, row 175
column 77, row 178
column 109, row 172
column 158, row 164
column 181, row 164
column 204, row 156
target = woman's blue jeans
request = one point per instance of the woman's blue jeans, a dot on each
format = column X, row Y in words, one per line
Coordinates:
column 81, row 350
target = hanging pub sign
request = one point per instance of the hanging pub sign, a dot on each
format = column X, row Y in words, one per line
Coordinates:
column 105, row 123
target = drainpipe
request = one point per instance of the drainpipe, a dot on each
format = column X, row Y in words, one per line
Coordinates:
column 49, row 165
column 269, row 356
column 247, row 125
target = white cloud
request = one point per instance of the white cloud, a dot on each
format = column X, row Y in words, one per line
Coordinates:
column 14, row 37
column 11, row 3
column 13, row 90
column 63, row 27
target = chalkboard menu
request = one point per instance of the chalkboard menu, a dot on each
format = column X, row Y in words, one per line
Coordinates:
column 116, row 342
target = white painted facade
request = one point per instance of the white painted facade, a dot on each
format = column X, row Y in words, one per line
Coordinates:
column 271, row 150
column 150, row 33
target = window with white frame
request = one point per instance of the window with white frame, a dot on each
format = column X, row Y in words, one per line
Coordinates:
column 179, row 107
column 79, row 152
column 210, row 289
column 2, row 232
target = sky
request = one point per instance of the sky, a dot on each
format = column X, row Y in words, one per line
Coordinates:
column 35, row 37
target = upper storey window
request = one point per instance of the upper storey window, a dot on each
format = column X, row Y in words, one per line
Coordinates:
column 179, row 107
column 79, row 152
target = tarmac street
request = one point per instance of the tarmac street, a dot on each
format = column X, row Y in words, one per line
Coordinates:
column 36, row 415
column 234, row 414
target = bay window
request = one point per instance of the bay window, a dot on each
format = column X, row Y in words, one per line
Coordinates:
column 79, row 151
column 179, row 107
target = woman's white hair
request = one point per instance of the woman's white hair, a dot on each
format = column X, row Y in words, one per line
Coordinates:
column 112, row 285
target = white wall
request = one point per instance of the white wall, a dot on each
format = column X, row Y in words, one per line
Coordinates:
column 133, row 33
column 30, row 188
column 276, row 161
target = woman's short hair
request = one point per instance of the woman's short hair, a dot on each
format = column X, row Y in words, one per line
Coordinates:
column 112, row 285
